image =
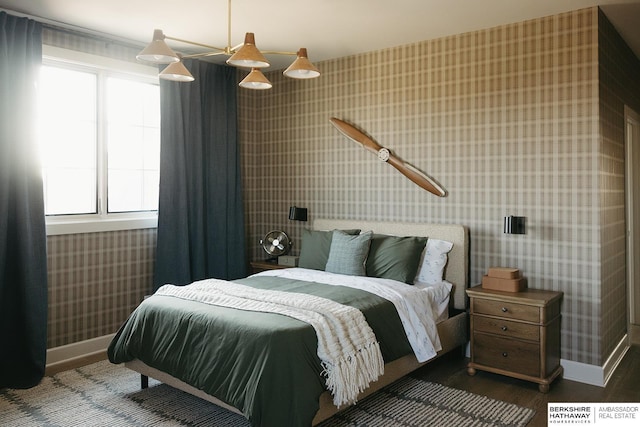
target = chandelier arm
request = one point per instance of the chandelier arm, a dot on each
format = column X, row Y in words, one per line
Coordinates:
column 205, row 54
column 278, row 52
column 194, row 43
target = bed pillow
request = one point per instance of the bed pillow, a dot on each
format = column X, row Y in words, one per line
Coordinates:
column 393, row 257
column 433, row 261
column 348, row 253
column 316, row 244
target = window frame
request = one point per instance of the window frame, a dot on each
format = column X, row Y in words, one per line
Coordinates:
column 102, row 220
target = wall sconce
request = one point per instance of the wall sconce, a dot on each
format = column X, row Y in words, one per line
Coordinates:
column 297, row 214
column 514, row 225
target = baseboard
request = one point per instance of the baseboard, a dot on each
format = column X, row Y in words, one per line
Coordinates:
column 592, row 374
column 68, row 353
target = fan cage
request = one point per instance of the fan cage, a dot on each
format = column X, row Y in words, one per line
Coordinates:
column 276, row 243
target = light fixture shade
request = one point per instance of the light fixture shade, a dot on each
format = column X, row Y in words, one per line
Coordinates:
column 255, row 80
column 514, row 225
column 176, row 72
column 302, row 68
column 297, row 214
column 248, row 55
column 158, row 51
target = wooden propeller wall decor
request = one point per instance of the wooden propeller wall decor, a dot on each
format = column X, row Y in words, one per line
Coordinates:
column 385, row 155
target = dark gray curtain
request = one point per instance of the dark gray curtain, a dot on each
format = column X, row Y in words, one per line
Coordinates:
column 200, row 215
column 23, row 254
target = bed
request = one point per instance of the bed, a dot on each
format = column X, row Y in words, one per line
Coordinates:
column 305, row 390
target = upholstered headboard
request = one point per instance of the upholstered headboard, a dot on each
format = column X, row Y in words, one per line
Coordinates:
column 457, row 269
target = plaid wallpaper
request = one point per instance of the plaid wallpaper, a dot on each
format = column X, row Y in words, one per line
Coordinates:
column 89, row 43
column 95, row 282
column 506, row 119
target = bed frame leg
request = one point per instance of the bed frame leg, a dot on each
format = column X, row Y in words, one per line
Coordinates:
column 144, row 381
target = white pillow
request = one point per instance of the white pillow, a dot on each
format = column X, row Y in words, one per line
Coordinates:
column 434, row 259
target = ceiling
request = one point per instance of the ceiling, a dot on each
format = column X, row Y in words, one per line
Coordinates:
column 327, row 28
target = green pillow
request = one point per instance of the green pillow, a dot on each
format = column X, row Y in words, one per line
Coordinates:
column 348, row 253
column 397, row 258
column 316, row 244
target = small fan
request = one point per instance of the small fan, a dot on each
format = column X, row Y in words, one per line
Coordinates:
column 276, row 243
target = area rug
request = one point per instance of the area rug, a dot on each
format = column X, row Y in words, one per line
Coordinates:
column 103, row 394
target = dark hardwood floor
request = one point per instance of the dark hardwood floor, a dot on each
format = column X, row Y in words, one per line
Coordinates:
column 624, row 385
column 451, row 371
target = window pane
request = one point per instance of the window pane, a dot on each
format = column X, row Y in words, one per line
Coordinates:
column 150, row 190
column 70, row 191
column 126, row 147
column 133, row 141
column 125, row 190
column 67, row 133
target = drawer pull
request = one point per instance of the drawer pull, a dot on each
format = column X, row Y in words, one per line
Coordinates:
column 505, row 309
column 504, row 329
column 504, row 354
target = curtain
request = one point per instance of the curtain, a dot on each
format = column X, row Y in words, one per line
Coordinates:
column 200, row 213
column 23, row 253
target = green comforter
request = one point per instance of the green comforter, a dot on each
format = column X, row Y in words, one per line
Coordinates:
column 264, row 364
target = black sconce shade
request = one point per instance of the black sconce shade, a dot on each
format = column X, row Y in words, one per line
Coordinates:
column 297, row 214
column 514, row 225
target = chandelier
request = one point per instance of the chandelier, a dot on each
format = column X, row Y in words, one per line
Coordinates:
column 244, row 55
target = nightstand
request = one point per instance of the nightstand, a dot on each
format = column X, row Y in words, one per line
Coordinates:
column 258, row 266
column 516, row 334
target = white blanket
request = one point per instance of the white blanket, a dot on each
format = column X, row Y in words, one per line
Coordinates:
column 416, row 305
column 347, row 346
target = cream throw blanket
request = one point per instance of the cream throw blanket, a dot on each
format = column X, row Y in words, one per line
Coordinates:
column 414, row 304
column 347, row 347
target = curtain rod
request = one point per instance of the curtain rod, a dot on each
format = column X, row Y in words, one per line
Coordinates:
column 74, row 29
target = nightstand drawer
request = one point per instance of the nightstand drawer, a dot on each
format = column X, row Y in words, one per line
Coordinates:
column 504, row 353
column 506, row 328
column 507, row 310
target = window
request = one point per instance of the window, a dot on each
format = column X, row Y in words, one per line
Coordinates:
column 99, row 139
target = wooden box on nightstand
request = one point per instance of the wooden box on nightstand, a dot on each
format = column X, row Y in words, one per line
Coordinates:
column 516, row 334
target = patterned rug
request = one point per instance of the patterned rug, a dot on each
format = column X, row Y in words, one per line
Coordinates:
column 103, row 394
